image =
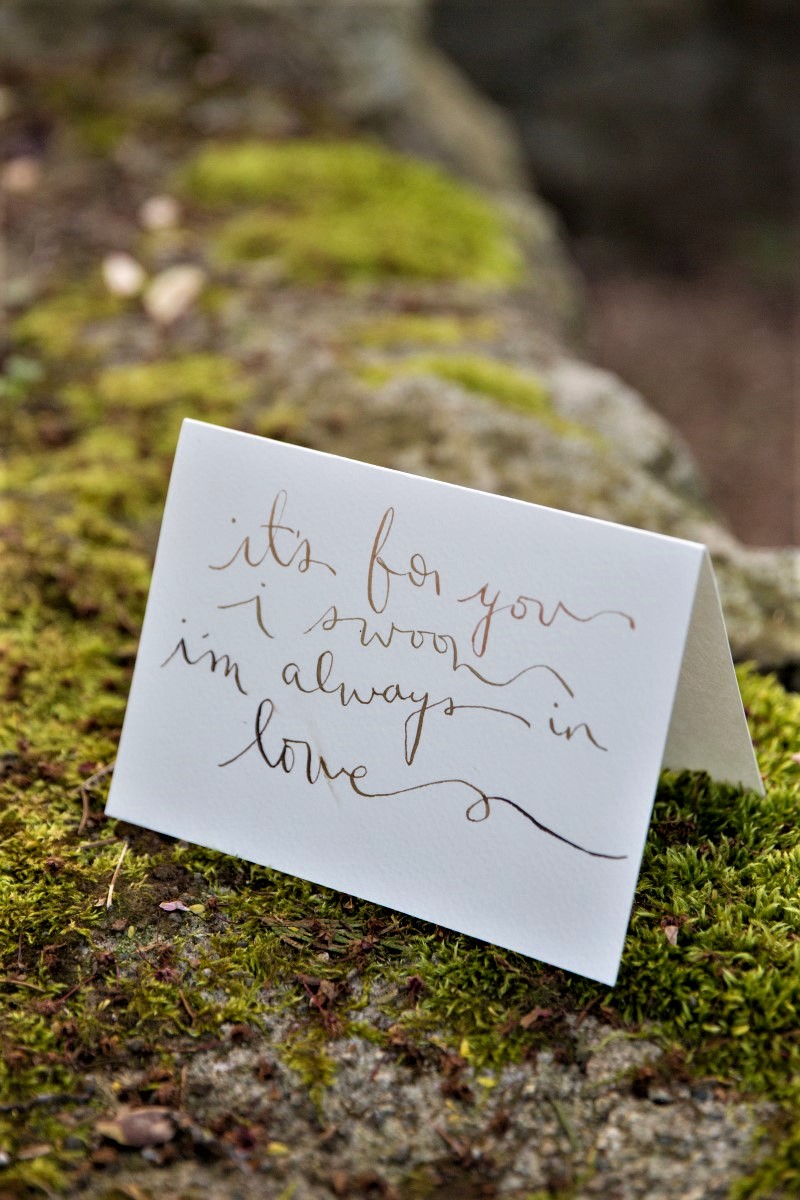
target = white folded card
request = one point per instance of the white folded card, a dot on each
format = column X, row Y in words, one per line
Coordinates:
column 447, row 702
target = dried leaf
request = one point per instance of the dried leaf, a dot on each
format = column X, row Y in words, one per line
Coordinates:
column 536, row 1014
column 416, row 986
column 27, row 1153
column 21, row 176
column 138, row 1127
column 174, row 906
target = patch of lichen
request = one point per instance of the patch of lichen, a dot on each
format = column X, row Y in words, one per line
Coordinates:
column 349, row 211
column 483, row 376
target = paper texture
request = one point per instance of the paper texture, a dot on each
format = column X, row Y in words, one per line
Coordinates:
column 449, row 703
column 708, row 729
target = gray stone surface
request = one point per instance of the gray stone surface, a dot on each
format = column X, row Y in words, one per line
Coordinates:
column 602, row 1125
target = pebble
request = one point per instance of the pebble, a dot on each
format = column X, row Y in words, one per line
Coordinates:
column 21, row 176
column 123, row 275
column 173, row 292
column 159, row 212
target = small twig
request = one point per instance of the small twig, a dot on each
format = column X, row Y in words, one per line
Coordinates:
column 61, row 999
column 115, row 876
column 47, row 1098
column 84, row 808
column 186, row 1005
column 101, row 774
column 21, row 983
column 587, row 1008
column 84, row 791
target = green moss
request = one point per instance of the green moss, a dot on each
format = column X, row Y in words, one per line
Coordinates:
column 101, row 132
column 84, row 100
column 724, row 864
column 282, row 421
column 63, row 324
column 149, row 400
column 306, row 1055
column 199, row 381
column 483, row 376
column 350, row 210
column 25, row 400
column 391, row 332
column 19, row 378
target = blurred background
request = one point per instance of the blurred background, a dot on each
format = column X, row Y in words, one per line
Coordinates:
column 666, row 134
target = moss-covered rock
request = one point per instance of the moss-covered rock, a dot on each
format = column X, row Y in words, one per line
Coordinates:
column 482, row 376
column 267, row 1014
column 62, row 325
column 339, row 210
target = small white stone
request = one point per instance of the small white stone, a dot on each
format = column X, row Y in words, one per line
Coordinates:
column 172, row 293
column 123, row 275
column 159, row 212
column 20, row 176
